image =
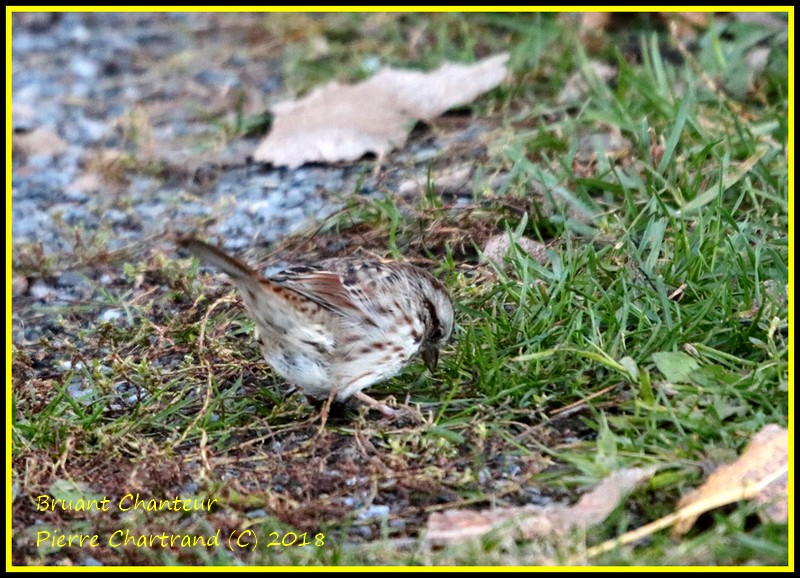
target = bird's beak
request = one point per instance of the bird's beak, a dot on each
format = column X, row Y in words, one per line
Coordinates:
column 431, row 358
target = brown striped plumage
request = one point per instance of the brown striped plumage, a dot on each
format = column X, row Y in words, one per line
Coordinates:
column 345, row 324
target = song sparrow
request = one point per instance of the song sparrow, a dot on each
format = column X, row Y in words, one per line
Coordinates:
column 339, row 327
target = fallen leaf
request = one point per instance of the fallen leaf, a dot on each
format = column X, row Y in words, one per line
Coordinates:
column 528, row 522
column 760, row 474
column 340, row 122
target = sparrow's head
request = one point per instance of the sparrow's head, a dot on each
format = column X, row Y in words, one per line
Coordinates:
column 439, row 320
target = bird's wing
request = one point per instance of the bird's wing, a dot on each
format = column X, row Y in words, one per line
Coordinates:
column 325, row 288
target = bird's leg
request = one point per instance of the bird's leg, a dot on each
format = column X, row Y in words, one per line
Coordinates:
column 375, row 404
column 326, row 410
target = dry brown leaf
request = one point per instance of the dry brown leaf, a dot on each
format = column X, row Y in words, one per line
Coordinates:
column 40, row 141
column 528, row 522
column 760, row 473
column 343, row 122
column 774, row 501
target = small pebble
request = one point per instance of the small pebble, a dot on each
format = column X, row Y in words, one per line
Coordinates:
column 40, row 290
column 83, row 67
column 109, row 316
column 364, row 532
column 373, row 511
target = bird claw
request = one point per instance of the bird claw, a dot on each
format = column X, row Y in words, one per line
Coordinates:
column 387, row 411
column 391, row 413
column 400, row 416
column 406, row 416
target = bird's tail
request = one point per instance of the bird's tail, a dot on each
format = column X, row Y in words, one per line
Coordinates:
column 217, row 257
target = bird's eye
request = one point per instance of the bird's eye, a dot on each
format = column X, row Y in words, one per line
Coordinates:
column 437, row 334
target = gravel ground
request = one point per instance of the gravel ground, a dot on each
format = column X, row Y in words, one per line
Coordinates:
column 83, row 77
column 119, row 126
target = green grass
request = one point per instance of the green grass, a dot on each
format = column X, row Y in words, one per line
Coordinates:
column 664, row 288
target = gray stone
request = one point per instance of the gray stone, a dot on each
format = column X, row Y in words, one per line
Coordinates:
column 72, row 279
column 109, row 316
column 41, row 290
column 373, row 511
column 295, row 197
column 83, row 67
